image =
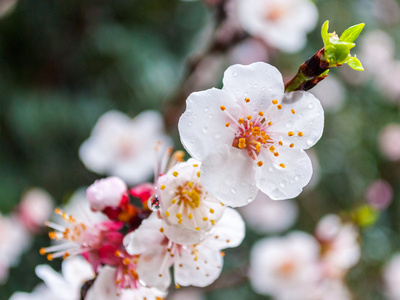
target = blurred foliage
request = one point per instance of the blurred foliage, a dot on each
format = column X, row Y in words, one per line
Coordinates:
column 64, row 63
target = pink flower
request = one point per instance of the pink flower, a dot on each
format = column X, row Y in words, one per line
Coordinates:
column 389, row 141
column 250, row 135
column 379, row 194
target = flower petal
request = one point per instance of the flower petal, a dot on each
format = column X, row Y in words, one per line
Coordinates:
column 301, row 112
column 228, row 232
column 285, row 176
column 228, row 174
column 260, row 82
column 202, row 126
column 153, row 269
column 198, row 266
column 146, row 237
column 104, row 287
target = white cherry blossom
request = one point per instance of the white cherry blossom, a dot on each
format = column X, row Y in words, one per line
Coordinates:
column 186, row 204
column 65, row 286
column 14, row 240
column 250, row 135
column 198, row 265
column 119, row 145
column 284, row 267
column 391, row 277
column 106, row 192
column 341, row 249
column 283, row 24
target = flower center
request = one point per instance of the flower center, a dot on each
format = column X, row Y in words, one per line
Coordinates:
column 275, row 12
column 254, row 134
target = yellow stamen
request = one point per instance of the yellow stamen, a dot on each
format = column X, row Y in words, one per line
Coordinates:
column 222, row 107
column 211, row 210
column 227, row 124
column 195, row 165
column 269, row 123
column 212, row 222
column 197, row 228
column 161, row 230
column 173, row 201
column 260, row 113
column 180, row 221
column 280, row 143
column 300, row 133
column 198, row 174
column 258, row 146
column 162, row 187
column 291, row 145
column 190, row 184
column 260, row 163
column 279, row 106
column 292, row 110
column 175, row 174
column 276, row 154
column 247, row 100
column 179, row 216
column 167, row 213
column 249, row 118
column 205, row 219
column 282, row 165
column 190, row 216
column 49, row 257
column 42, row 251
column 240, row 121
column 275, row 101
column 290, row 133
column 272, row 149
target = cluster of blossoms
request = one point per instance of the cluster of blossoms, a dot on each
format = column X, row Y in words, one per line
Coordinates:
column 301, row 266
column 247, row 138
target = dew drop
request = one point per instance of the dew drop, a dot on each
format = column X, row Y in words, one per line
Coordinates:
column 233, row 191
column 234, row 74
column 310, row 106
column 206, row 109
column 190, row 124
column 205, row 130
column 153, row 203
column 310, row 142
column 271, row 169
column 289, row 124
column 217, row 136
column 297, row 178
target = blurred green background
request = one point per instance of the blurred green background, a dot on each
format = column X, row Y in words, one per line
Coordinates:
column 64, row 63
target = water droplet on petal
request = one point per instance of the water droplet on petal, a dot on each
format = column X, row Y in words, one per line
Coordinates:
column 310, row 106
column 217, row 136
column 310, row 142
column 234, row 74
column 233, row 191
column 271, row 169
column 289, row 124
column 297, row 178
column 206, row 109
column 190, row 124
column 153, row 203
column 205, row 130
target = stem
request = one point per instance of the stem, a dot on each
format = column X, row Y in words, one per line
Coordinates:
column 310, row 73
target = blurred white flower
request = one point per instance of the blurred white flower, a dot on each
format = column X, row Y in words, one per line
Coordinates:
column 391, row 277
column 386, row 11
column 122, row 147
column 264, row 215
column 198, row 265
column 185, row 204
column 330, row 289
column 104, row 287
column 388, row 80
column 249, row 51
column 283, row 24
column 389, row 141
column 7, row 6
column 106, row 192
column 379, row 194
column 285, row 267
column 250, row 135
column 65, row 286
column 14, row 240
column 35, row 208
column 341, row 249
column 331, row 93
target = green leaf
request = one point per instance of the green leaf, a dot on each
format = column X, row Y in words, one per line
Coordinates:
column 324, row 32
column 351, row 33
column 355, row 64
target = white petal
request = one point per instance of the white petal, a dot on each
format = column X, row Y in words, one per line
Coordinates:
column 228, row 232
column 76, row 270
column 153, row 269
column 146, row 237
column 308, row 118
column 228, row 174
column 104, row 287
column 53, row 280
column 284, row 183
column 183, row 236
column 200, row 272
column 202, row 126
column 259, row 81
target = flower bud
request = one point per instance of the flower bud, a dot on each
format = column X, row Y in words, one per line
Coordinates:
column 106, row 192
